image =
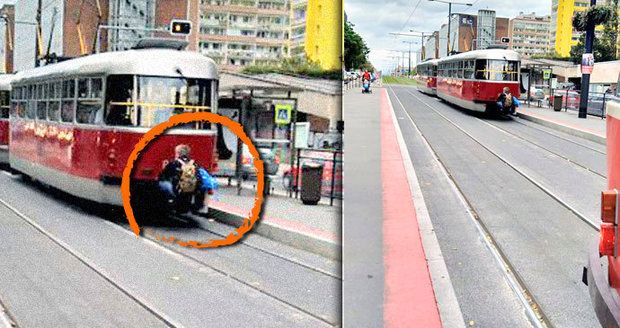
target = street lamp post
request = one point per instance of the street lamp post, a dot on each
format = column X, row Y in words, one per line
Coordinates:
column 450, row 18
column 585, row 78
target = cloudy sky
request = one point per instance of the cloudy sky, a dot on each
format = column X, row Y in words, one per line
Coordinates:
column 374, row 20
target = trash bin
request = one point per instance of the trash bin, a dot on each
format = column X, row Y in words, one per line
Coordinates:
column 311, row 181
column 557, row 103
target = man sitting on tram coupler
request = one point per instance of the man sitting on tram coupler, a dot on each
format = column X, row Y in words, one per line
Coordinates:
column 507, row 103
column 179, row 181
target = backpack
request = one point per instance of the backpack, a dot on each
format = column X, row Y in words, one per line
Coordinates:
column 188, row 181
column 508, row 101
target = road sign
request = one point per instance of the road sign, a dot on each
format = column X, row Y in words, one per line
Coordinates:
column 546, row 74
column 587, row 63
column 505, row 40
column 180, row 27
column 283, row 113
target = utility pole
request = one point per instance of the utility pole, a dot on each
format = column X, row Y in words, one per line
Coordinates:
column 410, row 43
column 423, row 35
column 585, row 78
column 450, row 18
column 37, row 49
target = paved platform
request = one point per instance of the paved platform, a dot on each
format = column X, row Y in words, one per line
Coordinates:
column 314, row 228
column 592, row 128
column 386, row 278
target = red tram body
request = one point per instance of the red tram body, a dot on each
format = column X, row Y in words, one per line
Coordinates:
column 604, row 285
column 74, row 124
column 474, row 79
column 427, row 76
column 5, row 90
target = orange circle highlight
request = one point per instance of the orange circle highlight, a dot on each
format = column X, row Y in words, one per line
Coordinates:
column 184, row 118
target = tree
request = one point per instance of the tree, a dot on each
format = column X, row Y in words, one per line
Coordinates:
column 355, row 49
column 605, row 44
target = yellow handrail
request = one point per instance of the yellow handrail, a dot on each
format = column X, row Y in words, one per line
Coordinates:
column 129, row 103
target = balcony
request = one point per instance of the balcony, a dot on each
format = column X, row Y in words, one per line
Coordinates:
column 214, row 22
column 243, row 54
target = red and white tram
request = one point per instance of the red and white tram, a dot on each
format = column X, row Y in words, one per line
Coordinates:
column 5, row 91
column 73, row 124
column 604, row 280
column 427, row 76
column 474, row 79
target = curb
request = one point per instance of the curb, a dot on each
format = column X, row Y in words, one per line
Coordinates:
column 287, row 235
column 562, row 128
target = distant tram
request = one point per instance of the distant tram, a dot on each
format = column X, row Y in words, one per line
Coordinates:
column 474, row 79
column 5, row 103
column 427, row 76
column 73, row 124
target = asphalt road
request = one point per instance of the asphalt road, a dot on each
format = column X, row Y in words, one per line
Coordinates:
column 544, row 242
column 71, row 264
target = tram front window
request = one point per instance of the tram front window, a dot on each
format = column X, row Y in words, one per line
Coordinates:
column 157, row 99
column 497, row 70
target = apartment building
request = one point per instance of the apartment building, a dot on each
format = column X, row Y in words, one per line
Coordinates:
column 485, row 29
column 298, row 27
column 126, row 13
column 562, row 35
column 236, row 33
column 431, row 46
column 324, row 33
column 70, row 28
column 529, row 34
column 462, row 34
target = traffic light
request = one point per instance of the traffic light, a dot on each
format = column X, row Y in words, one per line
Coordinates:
column 180, row 27
column 505, row 40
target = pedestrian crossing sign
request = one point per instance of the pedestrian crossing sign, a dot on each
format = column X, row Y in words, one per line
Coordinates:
column 283, row 113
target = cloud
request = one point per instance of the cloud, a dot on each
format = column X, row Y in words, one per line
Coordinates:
column 374, row 20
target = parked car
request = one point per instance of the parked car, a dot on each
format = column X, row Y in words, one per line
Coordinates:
column 271, row 162
column 537, row 93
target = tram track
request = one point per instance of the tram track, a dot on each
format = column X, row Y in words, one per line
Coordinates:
column 150, row 236
column 556, row 135
column 533, row 310
column 537, row 145
column 92, row 266
column 514, row 167
column 261, row 249
column 153, row 237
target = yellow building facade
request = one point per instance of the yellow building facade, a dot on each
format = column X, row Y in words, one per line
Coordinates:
column 562, row 35
column 324, row 32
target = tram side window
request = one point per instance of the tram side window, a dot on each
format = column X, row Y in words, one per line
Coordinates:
column 17, row 107
column 68, row 101
column 459, row 69
column 469, row 69
column 31, row 108
column 5, row 103
column 41, row 101
column 119, row 92
column 53, row 105
column 89, row 101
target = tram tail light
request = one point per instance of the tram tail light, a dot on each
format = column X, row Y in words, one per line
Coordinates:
column 608, row 206
column 607, row 241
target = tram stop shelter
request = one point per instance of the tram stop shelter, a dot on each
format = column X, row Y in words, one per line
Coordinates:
column 536, row 75
column 268, row 115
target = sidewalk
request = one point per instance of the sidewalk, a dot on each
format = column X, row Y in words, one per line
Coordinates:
column 592, row 128
column 386, row 279
column 314, row 228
